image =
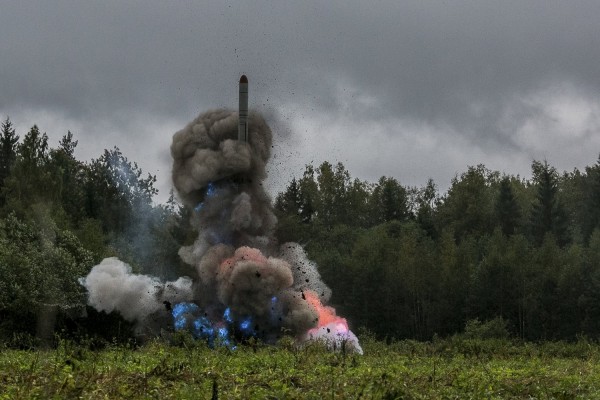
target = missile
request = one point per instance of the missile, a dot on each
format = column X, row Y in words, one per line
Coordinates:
column 243, row 110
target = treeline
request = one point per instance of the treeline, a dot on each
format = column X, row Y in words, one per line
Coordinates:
column 412, row 263
column 60, row 216
column 404, row 262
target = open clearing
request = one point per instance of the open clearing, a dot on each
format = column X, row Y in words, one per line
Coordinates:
column 453, row 369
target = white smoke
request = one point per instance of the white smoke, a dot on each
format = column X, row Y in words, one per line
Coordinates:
column 335, row 336
column 112, row 287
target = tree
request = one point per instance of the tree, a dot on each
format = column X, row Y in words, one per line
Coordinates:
column 116, row 191
column 571, row 286
column 358, row 196
column 117, row 194
column 376, row 296
column 324, row 195
column 590, row 219
column 69, row 175
column 388, row 201
column 548, row 215
column 30, row 180
column 507, row 208
column 548, row 262
column 39, row 268
column 468, row 208
column 425, row 204
column 333, row 200
column 33, row 151
column 309, row 194
column 290, row 201
column 494, row 291
column 454, row 286
column 8, row 149
column 396, row 285
column 418, row 275
column 589, row 299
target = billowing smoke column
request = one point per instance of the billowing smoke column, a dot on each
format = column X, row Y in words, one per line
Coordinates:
column 247, row 285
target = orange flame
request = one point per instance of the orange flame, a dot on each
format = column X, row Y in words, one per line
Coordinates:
column 326, row 314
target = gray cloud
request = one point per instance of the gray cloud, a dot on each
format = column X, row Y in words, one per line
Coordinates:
column 478, row 73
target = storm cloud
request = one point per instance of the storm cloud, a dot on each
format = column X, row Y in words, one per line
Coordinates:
column 410, row 89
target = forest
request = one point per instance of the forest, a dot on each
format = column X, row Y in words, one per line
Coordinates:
column 504, row 255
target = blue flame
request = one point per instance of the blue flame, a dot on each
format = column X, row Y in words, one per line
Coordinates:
column 180, row 312
column 186, row 316
column 211, row 190
column 245, row 324
column 227, row 315
column 189, row 317
column 182, row 308
column 246, row 327
column 223, row 338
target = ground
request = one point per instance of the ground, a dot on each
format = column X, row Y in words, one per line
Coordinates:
column 449, row 369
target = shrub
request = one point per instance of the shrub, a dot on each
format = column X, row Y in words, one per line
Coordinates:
column 496, row 328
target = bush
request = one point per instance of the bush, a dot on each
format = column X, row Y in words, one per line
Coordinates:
column 496, row 328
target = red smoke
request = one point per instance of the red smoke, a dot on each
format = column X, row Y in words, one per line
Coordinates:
column 244, row 254
column 326, row 314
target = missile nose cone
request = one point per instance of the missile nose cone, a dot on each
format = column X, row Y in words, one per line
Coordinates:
column 243, row 79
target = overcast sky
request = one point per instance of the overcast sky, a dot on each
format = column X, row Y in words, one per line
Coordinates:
column 410, row 89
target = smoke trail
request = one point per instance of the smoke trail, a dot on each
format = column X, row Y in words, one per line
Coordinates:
column 248, row 285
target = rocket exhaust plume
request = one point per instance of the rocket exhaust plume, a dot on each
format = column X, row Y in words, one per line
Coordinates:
column 246, row 284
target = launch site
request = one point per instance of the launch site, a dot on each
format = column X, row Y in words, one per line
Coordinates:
column 258, row 200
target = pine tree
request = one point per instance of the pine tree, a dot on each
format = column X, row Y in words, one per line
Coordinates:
column 8, row 149
column 591, row 206
column 68, row 174
column 389, row 201
column 548, row 215
column 289, row 202
column 34, row 149
column 30, row 180
column 507, row 208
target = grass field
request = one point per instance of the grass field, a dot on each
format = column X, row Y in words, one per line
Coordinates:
column 445, row 369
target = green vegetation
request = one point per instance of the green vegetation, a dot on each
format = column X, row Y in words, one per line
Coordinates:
column 411, row 263
column 405, row 262
column 498, row 279
column 58, row 218
column 455, row 368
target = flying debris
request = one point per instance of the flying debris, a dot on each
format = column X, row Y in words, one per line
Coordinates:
column 243, row 110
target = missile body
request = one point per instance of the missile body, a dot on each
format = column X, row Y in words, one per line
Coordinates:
column 243, row 110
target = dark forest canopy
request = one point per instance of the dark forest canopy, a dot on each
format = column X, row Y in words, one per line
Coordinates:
column 405, row 262
column 411, row 263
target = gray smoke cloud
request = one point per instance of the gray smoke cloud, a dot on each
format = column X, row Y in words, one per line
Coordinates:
column 236, row 256
column 221, row 178
column 306, row 274
column 245, row 279
column 207, row 150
